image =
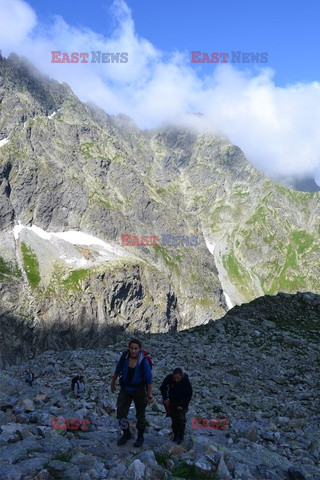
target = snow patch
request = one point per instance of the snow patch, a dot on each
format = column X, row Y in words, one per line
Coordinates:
column 79, row 263
column 41, row 233
column 17, row 229
column 52, row 115
column 3, row 142
column 79, row 238
column 37, row 230
column 210, row 245
column 228, row 301
column 74, row 237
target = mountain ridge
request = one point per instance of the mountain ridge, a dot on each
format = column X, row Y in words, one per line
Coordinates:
column 69, row 166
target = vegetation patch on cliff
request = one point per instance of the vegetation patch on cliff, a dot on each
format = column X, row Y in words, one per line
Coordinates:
column 30, row 265
column 7, row 269
column 73, row 281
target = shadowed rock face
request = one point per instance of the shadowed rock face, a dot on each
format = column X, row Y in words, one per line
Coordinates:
column 68, row 166
column 254, row 372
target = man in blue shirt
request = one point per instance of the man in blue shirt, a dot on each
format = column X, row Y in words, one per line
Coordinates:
column 136, row 384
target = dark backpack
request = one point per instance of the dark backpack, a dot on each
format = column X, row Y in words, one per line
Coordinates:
column 30, row 377
column 73, row 381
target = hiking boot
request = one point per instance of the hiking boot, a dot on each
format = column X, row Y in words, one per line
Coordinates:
column 140, row 439
column 179, row 439
column 125, row 437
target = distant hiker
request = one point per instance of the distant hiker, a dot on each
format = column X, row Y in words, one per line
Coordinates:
column 78, row 386
column 29, row 377
column 176, row 393
column 136, row 384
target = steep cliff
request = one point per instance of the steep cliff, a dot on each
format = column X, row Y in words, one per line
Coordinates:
column 69, row 168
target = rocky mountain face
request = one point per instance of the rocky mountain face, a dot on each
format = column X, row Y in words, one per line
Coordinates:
column 69, row 169
column 254, row 372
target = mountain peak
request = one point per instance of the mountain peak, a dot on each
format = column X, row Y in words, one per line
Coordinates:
column 65, row 166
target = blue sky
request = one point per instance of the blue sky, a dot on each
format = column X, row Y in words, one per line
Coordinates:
column 271, row 110
column 288, row 30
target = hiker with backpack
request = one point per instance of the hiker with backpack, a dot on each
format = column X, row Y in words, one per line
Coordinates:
column 135, row 374
column 29, row 377
column 78, row 386
column 176, row 391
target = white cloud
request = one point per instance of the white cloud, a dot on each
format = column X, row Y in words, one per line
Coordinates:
column 17, row 19
column 277, row 128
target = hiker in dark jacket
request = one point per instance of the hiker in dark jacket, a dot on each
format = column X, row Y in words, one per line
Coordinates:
column 176, row 393
column 79, row 387
column 136, row 377
column 29, row 377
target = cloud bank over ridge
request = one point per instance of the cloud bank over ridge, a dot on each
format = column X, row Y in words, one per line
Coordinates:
column 277, row 128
